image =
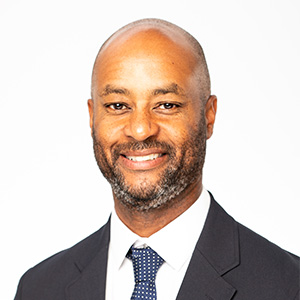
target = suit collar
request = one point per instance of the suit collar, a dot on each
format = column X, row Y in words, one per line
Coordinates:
column 219, row 241
column 91, row 263
column 216, row 253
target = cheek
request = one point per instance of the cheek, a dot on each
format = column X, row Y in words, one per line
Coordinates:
column 180, row 131
column 107, row 132
column 176, row 134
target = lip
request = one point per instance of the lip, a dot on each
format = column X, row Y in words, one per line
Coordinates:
column 144, row 152
column 142, row 165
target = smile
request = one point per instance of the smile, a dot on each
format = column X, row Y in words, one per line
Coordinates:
column 144, row 158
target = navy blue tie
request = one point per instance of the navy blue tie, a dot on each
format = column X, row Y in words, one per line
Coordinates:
column 146, row 263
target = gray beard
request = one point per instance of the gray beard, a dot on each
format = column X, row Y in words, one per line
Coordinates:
column 179, row 175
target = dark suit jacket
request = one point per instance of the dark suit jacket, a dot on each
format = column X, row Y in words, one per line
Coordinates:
column 229, row 262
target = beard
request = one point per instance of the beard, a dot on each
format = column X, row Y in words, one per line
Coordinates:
column 184, row 166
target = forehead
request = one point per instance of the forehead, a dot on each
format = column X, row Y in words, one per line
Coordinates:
column 145, row 50
column 153, row 39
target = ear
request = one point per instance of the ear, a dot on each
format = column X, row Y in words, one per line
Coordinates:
column 91, row 112
column 210, row 115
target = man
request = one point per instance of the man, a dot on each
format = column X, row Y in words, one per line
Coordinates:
column 151, row 112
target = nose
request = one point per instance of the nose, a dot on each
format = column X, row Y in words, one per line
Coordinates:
column 141, row 126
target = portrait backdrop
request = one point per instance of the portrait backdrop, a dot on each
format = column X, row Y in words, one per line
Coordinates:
column 52, row 194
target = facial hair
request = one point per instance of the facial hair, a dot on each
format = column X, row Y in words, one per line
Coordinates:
column 183, row 168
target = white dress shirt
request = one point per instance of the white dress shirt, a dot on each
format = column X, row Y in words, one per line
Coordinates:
column 175, row 243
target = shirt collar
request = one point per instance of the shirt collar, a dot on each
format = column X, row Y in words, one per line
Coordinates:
column 175, row 242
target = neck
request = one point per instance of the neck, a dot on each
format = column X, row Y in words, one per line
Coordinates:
column 145, row 223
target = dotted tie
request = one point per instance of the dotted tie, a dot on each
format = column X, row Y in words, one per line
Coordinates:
column 146, row 263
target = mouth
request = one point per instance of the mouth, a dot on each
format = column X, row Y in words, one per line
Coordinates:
column 145, row 157
column 142, row 160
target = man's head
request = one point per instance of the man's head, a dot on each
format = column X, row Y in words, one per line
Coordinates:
column 172, row 32
column 151, row 113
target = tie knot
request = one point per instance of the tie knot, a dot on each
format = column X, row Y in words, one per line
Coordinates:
column 146, row 263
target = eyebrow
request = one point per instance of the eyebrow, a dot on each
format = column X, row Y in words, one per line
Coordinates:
column 173, row 88
column 110, row 89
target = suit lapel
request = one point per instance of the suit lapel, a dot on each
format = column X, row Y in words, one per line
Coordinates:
column 90, row 284
column 216, row 253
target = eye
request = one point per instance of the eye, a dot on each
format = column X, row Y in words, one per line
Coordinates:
column 167, row 106
column 117, row 106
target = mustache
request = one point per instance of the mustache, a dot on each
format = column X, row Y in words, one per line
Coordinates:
column 147, row 144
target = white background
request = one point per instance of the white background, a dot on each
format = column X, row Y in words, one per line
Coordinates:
column 51, row 191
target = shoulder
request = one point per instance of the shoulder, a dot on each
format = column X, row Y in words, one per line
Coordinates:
column 258, row 251
column 255, row 266
column 265, row 267
column 57, row 271
column 249, row 243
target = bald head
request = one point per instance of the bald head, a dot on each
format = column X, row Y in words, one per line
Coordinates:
column 150, row 115
column 149, row 37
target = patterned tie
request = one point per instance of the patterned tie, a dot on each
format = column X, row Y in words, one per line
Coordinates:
column 146, row 263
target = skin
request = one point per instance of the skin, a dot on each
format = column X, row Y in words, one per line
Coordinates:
column 145, row 86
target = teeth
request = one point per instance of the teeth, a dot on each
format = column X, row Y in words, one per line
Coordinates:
column 144, row 158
